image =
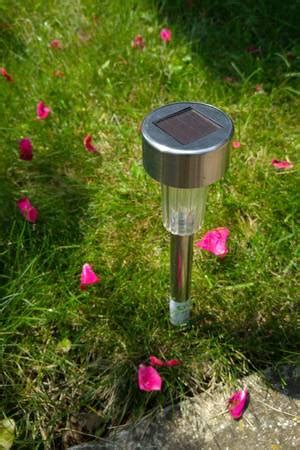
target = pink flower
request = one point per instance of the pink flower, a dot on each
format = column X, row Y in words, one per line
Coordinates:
column 42, row 111
column 4, row 73
column 214, row 241
column 282, row 164
column 165, row 34
column 88, row 276
column 138, row 42
column 237, row 403
column 56, row 43
column 154, row 361
column 25, row 147
column 149, row 379
column 87, row 142
column 27, row 210
column 235, row 144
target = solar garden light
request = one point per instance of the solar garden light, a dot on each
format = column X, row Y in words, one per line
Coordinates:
column 185, row 147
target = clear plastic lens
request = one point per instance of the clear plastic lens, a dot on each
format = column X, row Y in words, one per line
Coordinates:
column 183, row 209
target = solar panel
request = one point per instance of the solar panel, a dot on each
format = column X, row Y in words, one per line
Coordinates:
column 187, row 125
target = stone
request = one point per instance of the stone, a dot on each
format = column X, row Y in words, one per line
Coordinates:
column 271, row 420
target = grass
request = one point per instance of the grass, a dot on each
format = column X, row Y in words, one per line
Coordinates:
column 103, row 209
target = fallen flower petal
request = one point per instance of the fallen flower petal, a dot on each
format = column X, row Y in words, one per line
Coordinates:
column 235, row 144
column 27, row 210
column 42, row 111
column 237, row 403
column 214, row 241
column 149, row 379
column 32, row 214
column 88, row 276
column 138, row 42
column 55, row 43
column 282, row 164
column 4, row 73
column 173, row 362
column 87, row 142
column 165, row 34
column 25, row 147
column 156, row 361
column 23, row 204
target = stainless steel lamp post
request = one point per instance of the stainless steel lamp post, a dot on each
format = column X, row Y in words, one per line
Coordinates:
column 185, row 147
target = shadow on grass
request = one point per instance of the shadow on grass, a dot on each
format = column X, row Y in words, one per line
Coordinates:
column 242, row 40
column 262, row 341
column 9, row 39
column 61, row 200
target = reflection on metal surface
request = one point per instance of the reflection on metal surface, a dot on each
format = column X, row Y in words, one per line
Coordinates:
column 181, row 266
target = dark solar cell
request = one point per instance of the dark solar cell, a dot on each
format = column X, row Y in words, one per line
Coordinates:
column 187, row 126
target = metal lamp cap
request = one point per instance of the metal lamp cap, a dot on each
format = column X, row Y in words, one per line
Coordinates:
column 185, row 144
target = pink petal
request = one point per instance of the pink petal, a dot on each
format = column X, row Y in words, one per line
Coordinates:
column 25, row 147
column 42, row 111
column 138, row 42
column 156, row 361
column 31, row 214
column 87, row 142
column 165, row 34
column 27, row 210
column 5, row 75
column 214, row 241
column 173, row 362
column 235, row 144
column 23, row 204
column 149, row 379
column 55, row 43
column 282, row 164
column 237, row 403
column 88, row 276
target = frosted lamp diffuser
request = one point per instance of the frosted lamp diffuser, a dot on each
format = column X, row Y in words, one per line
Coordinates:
column 183, row 209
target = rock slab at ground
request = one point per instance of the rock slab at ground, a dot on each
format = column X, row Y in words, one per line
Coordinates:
column 271, row 421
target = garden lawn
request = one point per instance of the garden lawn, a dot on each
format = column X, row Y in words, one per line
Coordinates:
column 69, row 357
